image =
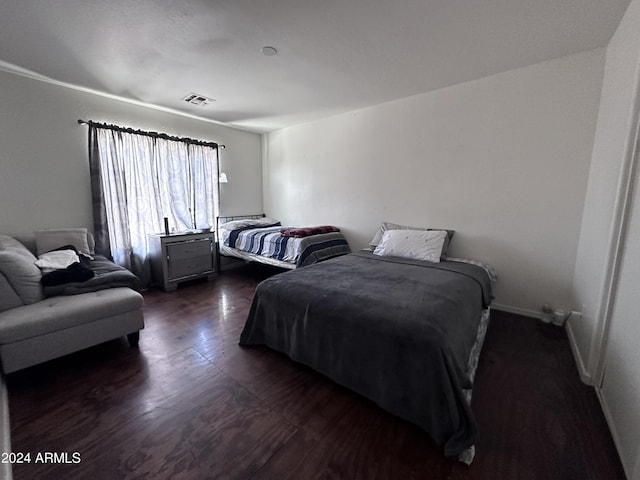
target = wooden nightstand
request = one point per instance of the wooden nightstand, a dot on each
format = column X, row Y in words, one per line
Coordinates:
column 182, row 256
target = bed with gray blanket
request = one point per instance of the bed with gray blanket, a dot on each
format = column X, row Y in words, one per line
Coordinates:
column 403, row 333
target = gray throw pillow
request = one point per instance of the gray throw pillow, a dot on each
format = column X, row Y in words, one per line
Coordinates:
column 49, row 240
column 18, row 266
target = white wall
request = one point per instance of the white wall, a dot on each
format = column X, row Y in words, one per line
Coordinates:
column 620, row 391
column 607, row 271
column 502, row 160
column 44, row 172
column 606, row 177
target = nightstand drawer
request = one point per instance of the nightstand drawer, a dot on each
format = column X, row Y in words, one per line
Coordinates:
column 186, row 250
column 190, row 266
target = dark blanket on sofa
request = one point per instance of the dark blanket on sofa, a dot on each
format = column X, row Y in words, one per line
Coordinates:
column 394, row 330
column 106, row 274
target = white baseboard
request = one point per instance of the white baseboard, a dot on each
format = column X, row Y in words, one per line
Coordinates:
column 628, row 468
column 517, row 310
column 585, row 375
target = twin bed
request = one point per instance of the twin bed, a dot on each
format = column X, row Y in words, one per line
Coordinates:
column 398, row 327
column 255, row 238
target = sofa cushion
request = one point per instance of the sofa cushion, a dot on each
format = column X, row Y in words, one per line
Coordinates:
column 52, row 239
column 18, row 266
column 59, row 313
column 8, row 296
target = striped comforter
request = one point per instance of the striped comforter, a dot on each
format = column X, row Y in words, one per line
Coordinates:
column 269, row 242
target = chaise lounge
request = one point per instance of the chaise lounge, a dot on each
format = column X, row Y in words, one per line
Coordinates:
column 39, row 324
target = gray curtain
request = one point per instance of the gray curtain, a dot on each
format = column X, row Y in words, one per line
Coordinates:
column 100, row 228
column 137, row 180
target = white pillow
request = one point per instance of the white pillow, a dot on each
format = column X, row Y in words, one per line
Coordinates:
column 249, row 222
column 415, row 244
column 57, row 260
column 48, row 240
column 377, row 238
column 394, row 226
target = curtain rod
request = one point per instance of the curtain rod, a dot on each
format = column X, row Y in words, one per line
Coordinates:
column 149, row 134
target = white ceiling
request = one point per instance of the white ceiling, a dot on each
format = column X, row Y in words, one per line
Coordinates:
column 333, row 55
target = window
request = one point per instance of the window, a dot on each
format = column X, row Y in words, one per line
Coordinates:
column 138, row 179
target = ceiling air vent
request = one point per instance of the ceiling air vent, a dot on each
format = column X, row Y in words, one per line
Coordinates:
column 197, row 99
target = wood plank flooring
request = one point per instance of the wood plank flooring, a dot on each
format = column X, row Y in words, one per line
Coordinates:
column 192, row 404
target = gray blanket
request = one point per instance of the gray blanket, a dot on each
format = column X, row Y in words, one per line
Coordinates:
column 397, row 331
column 107, row 275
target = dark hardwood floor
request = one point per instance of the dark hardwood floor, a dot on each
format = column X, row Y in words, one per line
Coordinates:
column 192, row 404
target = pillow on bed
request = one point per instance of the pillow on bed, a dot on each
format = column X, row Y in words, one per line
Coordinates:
column 249, row 222
column 394, row 226
column 415, row 244
column 49, row 240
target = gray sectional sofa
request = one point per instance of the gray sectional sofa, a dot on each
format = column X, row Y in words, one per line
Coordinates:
column 35, row 328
